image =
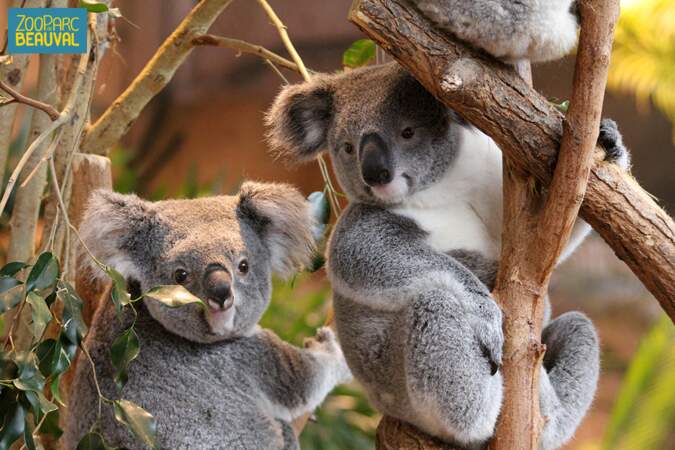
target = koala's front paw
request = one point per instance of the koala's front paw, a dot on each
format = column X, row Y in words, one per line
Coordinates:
column 611, row 141
column 488, row 331
column 326, row 342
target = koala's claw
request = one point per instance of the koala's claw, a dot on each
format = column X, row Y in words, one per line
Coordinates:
column 324, row 337
column 611, row 141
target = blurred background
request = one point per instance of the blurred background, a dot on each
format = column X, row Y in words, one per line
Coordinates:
column 204, row 134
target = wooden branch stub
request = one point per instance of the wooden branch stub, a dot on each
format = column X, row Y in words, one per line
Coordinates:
column 528, row 129
column 392, row 434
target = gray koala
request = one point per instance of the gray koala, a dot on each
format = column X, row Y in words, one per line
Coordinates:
column 413, row 258
column 210, row 376
column 510, row 30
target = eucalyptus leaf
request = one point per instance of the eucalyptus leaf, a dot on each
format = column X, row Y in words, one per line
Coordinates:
column 39, row 403
column 52, row 357
column 124, row 349
column 74, row 327
column 12, row 268
column 119, row 294
column 40, row 314
column 10, row 298
column 44, row 273
column 114, row 13
column 359, row 54
column 13, row 424
column 7, row 283
column 139, row 421
column 93, row 7
column 319, row 206
column 29, row 376
column 56, row 392
column 563, row 107
column 172, row 296
column 91, row 441
column 28, row 436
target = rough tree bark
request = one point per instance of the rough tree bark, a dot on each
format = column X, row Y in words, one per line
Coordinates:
column 528, row 129
column 525, row 270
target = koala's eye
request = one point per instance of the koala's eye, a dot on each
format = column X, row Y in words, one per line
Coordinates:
column 180, row 276
column 407, row 133
column 348, row 148
column 243, row 267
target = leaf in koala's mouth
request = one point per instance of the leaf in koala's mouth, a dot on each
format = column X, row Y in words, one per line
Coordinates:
column 173, row 296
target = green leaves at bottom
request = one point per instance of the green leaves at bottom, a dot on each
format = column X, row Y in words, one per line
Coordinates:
column 359, row 54
column 40, row 313
column 124, row 349
column 13, row 423
column 91, row 441
column 139, row 421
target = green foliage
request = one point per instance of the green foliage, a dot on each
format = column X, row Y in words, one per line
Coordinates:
column 138, row 420
column 93, row 7
column 643, row 55
column 173, row 296
column 359, row 54
column 644, row 412
column 124, row 349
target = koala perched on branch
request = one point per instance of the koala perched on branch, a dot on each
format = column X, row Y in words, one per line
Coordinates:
column 210, row 376
column 510, row 30
column 413, row 258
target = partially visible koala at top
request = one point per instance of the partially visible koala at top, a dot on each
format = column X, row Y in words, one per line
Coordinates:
column 210, row 376
column 414, row 256
column 510, row 30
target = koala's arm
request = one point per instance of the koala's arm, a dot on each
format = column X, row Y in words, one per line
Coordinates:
column 299, row 379
column 611, row 141
column 530, row 29
column 382, row 260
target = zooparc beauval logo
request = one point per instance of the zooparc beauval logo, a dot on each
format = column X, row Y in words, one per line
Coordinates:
column 47, row 30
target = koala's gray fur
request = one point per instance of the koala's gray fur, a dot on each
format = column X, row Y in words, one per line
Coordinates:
column 511, row 30
column 413, row 258
column 210, row 384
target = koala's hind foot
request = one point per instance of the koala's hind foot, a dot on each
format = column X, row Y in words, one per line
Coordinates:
column 453, row 383
column 569, row 378
column 611, row 141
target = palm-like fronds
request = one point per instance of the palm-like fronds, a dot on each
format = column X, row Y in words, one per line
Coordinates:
column 643, row 57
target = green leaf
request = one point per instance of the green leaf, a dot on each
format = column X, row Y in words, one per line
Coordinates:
column 13, row 424
column 44, row 273
column 138, row 420
column 56, row 392
column 172, row 296
column 50, row 425
column 52, row 357
column 124, row 349
column 40, row 314
column 39, row 404
column 563, row 107
column 28, row 436
column 359, row 53
column 9, row 299
column 119, row 294
column 93, row 7
column 29, row 377
column 91, row 441
column 319, row 207
column 74, row 327
column 11, row 269
column 7, row 283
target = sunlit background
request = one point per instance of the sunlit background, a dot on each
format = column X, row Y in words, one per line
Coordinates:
column 204, row 135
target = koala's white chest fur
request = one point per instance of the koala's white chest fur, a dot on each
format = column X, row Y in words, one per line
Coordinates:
column 463, row 210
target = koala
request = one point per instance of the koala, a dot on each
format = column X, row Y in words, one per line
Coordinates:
column 413, row 258
column 509, row 30
column 210, row 376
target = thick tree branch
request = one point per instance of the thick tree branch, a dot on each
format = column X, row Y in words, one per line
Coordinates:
column 528, row 129
column 525, row 270
column 117, row 119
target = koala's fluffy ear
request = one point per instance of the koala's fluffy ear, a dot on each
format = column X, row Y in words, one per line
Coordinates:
column 114, row 228
column 299, row 119
column 280, row 214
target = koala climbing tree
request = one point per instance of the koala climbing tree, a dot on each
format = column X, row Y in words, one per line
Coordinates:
column 501, row 104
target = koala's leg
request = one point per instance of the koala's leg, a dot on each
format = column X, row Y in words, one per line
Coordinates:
column 509, row 30
column 454, row 385
column 611, row 141
column 569, row 378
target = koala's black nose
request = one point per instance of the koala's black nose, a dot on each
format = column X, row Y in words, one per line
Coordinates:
column 217, row 284
column 376, row 162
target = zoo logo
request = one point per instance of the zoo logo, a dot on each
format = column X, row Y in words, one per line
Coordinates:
column 47, row 30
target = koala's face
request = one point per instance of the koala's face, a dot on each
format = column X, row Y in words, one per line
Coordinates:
column 387, row 136
column 222, row 249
